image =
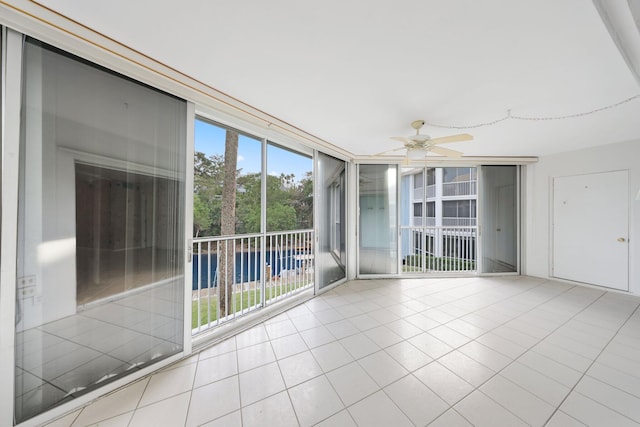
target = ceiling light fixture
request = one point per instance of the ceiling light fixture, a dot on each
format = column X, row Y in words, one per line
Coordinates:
column 417, row 153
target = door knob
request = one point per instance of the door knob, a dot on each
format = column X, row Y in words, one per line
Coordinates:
column 621, row 239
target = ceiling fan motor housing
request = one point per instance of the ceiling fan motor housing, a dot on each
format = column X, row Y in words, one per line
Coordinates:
column 417, row 124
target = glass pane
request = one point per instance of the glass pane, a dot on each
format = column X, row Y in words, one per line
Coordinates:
column 222, row 156
column 464, row 208
column 101, row 229
column 500, row 236
column 289, row 190
column 450, row 209
column 431, row 176
column 443, row 237
column 431, row 209
column 331, row 256
column 458, row 174
column 417, row 180
column 378, row 219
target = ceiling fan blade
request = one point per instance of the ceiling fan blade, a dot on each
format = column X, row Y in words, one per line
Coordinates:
column 390, row 151
column 445, row 152
column 453, row 138
column 402, row 139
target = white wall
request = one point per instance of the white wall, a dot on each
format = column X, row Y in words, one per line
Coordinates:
column 538, row 201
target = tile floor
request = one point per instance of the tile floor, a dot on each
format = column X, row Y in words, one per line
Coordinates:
column 63, row 359
column 440, row 352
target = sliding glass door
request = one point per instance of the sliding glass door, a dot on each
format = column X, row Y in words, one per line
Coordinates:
column 439, row 220
column 453, row 220
column 378, row 219
column 100, row 253
column 330, row 220
column 499, row 219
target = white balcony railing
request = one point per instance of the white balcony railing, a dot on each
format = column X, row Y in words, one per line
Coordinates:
column 235, row 275
column 459, row 222
column 418, row 193
column 431, row 191
column 439, row 249
column 418, row 221
column 465, row 188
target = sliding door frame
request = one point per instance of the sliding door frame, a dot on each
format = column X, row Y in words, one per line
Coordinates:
column 12, row 43
column 483, row 210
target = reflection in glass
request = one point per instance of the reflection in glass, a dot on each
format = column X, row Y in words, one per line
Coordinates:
column 331, row 256
column 118, row 230
column 101, row 230
column 378, row 219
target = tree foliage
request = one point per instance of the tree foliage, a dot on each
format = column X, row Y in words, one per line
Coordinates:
column 289, row 201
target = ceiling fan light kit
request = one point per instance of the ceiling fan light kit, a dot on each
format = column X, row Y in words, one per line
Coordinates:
column 419, row 145
column 417, row 154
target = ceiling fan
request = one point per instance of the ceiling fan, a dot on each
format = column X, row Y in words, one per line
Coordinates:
column 419, row 145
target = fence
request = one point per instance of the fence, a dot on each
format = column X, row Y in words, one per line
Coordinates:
column 236, row 275
column 439, row 249
column 464, row 188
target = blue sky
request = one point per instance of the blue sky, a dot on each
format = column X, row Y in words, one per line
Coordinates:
column 209, row 139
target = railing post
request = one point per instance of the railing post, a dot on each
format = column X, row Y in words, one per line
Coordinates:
column 263, row 264
column 209, row 282
column 199, row 284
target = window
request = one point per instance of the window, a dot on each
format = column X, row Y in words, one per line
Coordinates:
column 431, row 209
column 101, row 196
column 431, row 176
column 217, row 149
column 417, row 209
column 459, row 208
column 418, row 180
column 289, row 190
column 459, row 174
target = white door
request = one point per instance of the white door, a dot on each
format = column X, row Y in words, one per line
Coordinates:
column 590, row 229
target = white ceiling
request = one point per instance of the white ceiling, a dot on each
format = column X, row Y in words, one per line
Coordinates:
column 355, row 72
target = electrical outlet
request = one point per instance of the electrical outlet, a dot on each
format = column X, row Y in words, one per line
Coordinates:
column 27, row 287
column 26, row 282
column 27, row 292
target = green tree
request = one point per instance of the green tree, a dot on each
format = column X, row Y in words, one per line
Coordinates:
column 302, row 200
column 281, row 203
column 281, row 217
column 289, row 202
column 201, row 215
column 249, row 199
column 207, row 187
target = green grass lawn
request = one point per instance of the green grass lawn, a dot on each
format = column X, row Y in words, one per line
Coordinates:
column 242, row 301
